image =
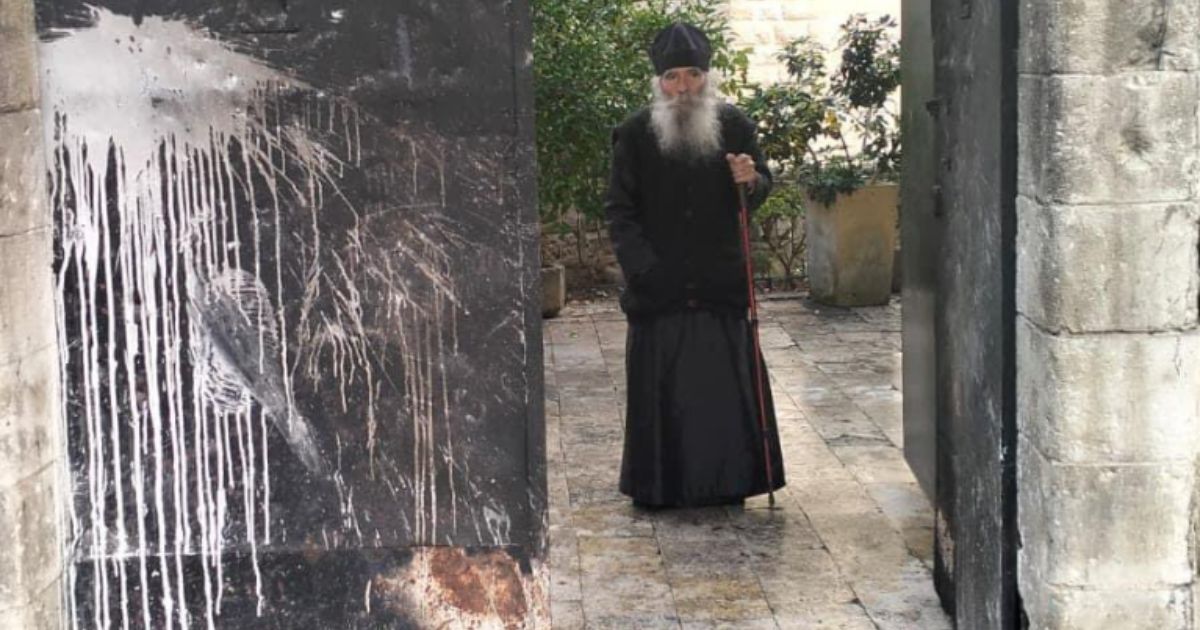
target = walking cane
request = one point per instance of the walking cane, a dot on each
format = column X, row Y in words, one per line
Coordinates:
column 744, row 219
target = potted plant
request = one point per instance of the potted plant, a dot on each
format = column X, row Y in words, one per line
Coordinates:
column 791, row 116
column 837, row 139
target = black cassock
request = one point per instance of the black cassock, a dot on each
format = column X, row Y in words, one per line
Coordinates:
column 692, row 429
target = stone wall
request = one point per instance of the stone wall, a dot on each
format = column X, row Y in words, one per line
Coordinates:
column 30, row 440
column 1108, row 351
column 766, row 26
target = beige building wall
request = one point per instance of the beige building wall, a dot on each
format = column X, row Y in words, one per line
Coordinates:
column 765, row 26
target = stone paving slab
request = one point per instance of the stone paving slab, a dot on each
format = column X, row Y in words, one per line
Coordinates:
column 849, row 543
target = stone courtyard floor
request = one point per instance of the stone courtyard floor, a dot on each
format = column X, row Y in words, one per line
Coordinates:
column 851, row 546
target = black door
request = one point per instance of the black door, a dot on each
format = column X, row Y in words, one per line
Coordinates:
column 297, row 259
column 920, row 236
column 959, row 228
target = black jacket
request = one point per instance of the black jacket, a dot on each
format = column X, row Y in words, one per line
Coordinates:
column 674, row 224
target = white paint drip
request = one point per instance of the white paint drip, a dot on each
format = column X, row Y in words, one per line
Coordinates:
column 166, row 241
column 498, row 523
column 197, row 299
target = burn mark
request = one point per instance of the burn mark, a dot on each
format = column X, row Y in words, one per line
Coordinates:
column 480, row 584
column 484, row 588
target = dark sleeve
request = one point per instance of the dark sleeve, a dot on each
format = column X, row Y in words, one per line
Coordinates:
column 625, row 227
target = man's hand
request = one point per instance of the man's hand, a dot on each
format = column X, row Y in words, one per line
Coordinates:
column 742, row 166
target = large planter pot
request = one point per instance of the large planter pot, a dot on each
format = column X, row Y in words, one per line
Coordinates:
column 554, row 290
column 851, row 246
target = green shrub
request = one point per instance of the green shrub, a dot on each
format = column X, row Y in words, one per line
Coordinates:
column 781, row 221
column 591, row 70
column 808, row 122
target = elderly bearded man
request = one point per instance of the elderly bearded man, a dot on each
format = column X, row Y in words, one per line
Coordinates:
column 692, row 429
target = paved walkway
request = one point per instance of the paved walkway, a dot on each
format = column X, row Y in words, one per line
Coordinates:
column 851, row 546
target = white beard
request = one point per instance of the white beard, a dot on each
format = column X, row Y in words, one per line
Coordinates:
column 687, row 127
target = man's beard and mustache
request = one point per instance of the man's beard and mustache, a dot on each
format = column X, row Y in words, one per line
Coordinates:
column 688, row 126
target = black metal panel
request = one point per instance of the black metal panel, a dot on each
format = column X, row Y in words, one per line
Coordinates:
column 920, row 235
column 297, row 256
column 975, row 50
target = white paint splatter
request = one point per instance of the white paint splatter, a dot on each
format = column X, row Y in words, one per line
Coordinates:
column 498, row 523
column 184, row 353
column 201, row 352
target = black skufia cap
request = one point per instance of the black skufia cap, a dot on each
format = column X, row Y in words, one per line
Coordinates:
column 680, row 45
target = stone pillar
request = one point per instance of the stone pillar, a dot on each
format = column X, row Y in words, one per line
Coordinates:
column 31, row 448
column 1108, row 351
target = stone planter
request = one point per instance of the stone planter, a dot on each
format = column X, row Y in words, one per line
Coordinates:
column 554, row 290
column 852, row 245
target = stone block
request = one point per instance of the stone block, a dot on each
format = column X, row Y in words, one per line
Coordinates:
column 1120, row 527
column 31, row 561
column 567, row 615
column 29, row 432
column 1031, row 123
column 16, row 16
column 1106, row 36
column 740, row 11
column 799, row 11
column 762, row 34
column 730, row 597
column 26, row 295
column 1097, row 268
column 1128, row 138
column 29, row 392
column 22, row 173
column 18, row 56
column 1109, row 398
column 785, row 31
column 44, row 613
column 1057, row 608
column 623, row 576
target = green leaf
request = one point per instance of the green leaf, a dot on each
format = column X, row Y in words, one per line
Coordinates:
column 591, row 70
